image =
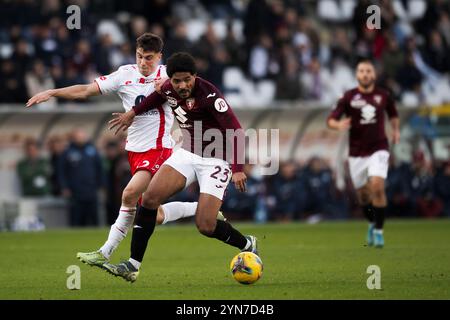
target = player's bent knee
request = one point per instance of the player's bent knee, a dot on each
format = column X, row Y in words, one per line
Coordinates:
column 365, row 199
column 206, row 227
column 150, row 201
column 379, row 194
column 377, row 189
column 130, row 195
column 364, row 196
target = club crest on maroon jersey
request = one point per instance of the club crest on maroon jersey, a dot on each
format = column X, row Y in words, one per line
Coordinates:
column 377, row 98
column 190, row 103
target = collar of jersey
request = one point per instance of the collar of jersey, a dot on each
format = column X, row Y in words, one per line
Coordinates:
column 150, row 75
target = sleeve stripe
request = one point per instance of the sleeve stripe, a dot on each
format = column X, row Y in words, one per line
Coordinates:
column 98, row 86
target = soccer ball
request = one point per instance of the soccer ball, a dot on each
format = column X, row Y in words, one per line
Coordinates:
column 246, row 267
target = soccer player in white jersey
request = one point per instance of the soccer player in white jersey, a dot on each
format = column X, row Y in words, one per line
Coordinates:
column 149, row 142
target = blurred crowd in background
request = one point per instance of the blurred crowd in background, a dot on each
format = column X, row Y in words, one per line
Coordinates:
column 75, row 169
column 298, row 49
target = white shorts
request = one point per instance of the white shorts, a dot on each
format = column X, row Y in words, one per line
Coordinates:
column 361, row 168
column 213, row 175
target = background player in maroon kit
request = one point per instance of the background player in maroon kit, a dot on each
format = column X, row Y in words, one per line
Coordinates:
column 364, row 109
column 200, row 109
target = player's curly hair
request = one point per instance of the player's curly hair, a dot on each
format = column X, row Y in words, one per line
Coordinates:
column 150, row 42
column 181, row 62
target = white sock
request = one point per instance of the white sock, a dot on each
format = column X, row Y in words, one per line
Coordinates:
column 118, row 230
column 379, row 231
column 135, row 263
column 177, row 210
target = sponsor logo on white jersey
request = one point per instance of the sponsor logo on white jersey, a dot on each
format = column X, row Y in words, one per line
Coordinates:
column 145, row 80
column 149, row 113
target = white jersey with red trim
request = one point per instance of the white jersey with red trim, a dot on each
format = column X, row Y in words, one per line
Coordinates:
column 152, row 129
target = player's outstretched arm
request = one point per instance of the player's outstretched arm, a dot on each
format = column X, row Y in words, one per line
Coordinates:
column 81, row 91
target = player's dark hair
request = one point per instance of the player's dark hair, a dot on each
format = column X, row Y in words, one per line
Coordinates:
column 365, row 60
column 181, row 62
column 150, row 42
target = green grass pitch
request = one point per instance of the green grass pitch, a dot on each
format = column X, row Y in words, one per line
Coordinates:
column 323, row 261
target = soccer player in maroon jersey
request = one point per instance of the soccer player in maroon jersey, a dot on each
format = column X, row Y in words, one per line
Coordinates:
column 202, row 112
column 364, row 108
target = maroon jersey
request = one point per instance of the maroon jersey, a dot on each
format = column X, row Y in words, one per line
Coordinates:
column 367, row 133
column 207, row 109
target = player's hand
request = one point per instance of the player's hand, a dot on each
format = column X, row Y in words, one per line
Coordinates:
column 240, row 179
column 345, row 124
column 159, row 83
column 122, row 121
column 39, row 97
column 395, row 136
